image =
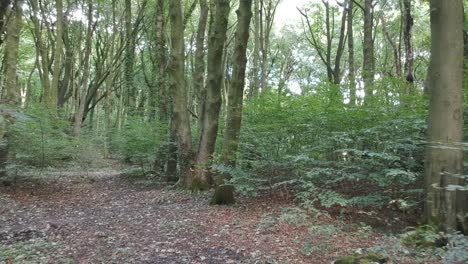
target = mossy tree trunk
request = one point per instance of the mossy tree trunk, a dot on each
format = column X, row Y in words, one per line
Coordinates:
column 180, row 115
column 199, row 67
column 11, row 92
column 212, row 105
column 224, row 192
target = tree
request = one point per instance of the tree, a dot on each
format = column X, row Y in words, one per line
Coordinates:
column 224, row 192
column 333, row 69
column 407, row 36
column 83, row 94
column 11, row 92
column 52, row 103
column 199, row 70
column 267, row 16
column 180, row 122
column 129, row 58
column 444, row 160
column 4, row 4
column 351, row 70
column 212, row 105
column 368, row 67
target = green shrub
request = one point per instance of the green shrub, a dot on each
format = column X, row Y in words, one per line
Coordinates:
column 137, row 141
column 41, row 138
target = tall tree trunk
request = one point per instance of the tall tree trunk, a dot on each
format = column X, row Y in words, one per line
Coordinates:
column 267, row 13
column 407, row 36
column 52, row 104
column 445, row 131
column 351, row 70
column 4, row 4
column 129, row 59
column 42, row 51
column 201, row 179
column 161, row 60
column 368, row 51
column 396, row 53
column 199, row 69
column 224, row 192
column 78, row 121
column 340, row 49
column 11, row 89
column 328, row 38
column 180, row 117
column 253, row 87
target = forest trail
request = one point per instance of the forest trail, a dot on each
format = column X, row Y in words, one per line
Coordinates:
column 103, row 218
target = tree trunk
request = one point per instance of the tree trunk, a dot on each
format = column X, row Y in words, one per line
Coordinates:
column 340, row 50
column 11, row 90
column 351, row 70
column 445, row 132
column 86, row 69
column 180, row 117
column 201, row 179
column 161, row 60
column 224, row 192
column 396, row 53
column 41, row 49
column 199, row 68
column 54, row 89
column 129, row 59
column 4, row 4
column 407, row 35
column 253, row 87
column 368, row 51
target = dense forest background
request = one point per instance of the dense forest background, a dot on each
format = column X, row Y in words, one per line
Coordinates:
column 329, row 107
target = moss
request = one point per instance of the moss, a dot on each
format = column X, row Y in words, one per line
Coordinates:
column 361, row 259
column 223, row 195
column 198, row 185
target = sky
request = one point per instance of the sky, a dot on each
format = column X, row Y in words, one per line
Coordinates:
column 287, row 14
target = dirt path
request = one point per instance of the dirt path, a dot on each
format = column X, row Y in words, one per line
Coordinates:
column 102, row 218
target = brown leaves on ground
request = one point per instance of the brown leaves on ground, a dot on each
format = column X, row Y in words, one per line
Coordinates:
column 102, row 218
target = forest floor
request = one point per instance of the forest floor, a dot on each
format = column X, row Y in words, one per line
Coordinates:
column 100, row 217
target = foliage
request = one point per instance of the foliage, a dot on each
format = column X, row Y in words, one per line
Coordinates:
column 41, row 138
column 136, row 142
column 422, row 237
column 331, row 155
column 32, row 251
column 294, row 217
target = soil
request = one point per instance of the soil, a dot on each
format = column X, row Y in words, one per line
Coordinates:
column 102, row 217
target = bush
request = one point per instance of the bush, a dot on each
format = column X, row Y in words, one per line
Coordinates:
column 40, row 138
column 346, row 156
column 137, row 141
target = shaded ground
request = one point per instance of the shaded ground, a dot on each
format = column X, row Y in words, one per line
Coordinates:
column 102, row 218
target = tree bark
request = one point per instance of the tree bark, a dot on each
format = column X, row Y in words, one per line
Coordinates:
column 129, row 58
column 368, row 51
column 445, row 131
column 53, row 100
column 4, row 4
column 78, row 120
column 199, row 67
column 11, row 90
column 253, row 87
column 265, row 31
column 351, row 70
column 202, row 179
column 224, row 192
column 407, row 36
column 180, row 116
column 161, row 60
